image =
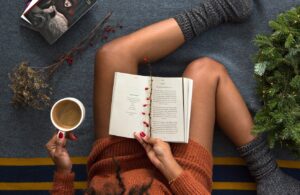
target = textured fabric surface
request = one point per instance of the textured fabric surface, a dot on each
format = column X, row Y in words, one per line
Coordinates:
column 63, row 183
column 137, row 168
column 263, row 167
column 258, row 157
column 213, row 13
column 24, row 132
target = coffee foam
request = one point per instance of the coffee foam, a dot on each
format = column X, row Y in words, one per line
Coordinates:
column 66, row 114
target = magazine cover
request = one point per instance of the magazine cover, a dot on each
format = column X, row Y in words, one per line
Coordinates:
column 52, row 18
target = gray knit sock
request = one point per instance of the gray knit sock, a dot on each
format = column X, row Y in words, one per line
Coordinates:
column 263, row 167
column 212, row 13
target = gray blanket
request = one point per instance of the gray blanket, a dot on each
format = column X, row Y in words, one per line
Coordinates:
column 25, row 131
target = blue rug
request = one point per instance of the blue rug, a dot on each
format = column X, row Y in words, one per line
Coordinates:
column 24, row 132
column 34, row 175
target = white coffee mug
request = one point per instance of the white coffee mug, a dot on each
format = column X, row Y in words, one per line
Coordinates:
column 67, row 114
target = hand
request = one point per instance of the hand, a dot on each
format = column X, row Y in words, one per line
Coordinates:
column 58, row 152
column 159, row 153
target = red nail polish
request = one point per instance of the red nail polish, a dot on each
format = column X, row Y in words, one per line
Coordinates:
column 148, row 98
column 144, row 105
column 146, row 88
column 142, row 134
column 143, row 113
column 60, row 135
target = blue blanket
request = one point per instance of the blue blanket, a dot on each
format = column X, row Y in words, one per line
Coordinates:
column 25, row 131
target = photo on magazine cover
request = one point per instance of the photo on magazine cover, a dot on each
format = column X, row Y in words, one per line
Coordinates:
column 52, row 18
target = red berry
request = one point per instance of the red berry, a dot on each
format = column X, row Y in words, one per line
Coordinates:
column 146, row 60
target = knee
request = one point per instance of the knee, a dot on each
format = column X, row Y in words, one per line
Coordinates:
column 112, row 52
column 107, row 50
column 205, row 68
column 103, row 55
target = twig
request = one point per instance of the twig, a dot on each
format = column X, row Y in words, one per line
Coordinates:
column 30, row 84
column 81, row 46
column 150, row 97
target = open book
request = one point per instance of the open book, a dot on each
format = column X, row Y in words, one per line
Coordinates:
column 159, row 106
column 52, row 18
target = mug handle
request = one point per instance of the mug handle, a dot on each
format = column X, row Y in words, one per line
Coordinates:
column 60, row 131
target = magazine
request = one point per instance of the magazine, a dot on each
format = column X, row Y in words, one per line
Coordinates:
column 52, row 18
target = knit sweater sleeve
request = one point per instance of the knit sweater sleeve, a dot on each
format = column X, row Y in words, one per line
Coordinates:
column 63, row 184
column 185, row 183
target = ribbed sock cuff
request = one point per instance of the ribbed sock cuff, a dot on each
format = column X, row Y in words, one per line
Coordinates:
column 185, row 26
column 258, row 157
column 256, row 143
column 212, row 13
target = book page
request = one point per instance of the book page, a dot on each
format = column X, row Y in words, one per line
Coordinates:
column 188, row 92
column 167, row 112
column 129, row 98
column 29, row 6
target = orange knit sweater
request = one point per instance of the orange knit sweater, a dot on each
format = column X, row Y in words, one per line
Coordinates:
column 136, row 169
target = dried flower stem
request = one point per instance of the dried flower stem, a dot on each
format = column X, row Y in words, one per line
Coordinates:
column 150, row 97
column 85, row 43
column 30, row 84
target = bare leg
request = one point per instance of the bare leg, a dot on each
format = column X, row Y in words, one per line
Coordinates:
column 123, row 55
column 232, row 114
column 216, row 97
column 215, row 94
column 205, row 78
column 212, row 84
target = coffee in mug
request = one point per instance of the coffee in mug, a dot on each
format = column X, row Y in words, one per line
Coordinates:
column 67, row 114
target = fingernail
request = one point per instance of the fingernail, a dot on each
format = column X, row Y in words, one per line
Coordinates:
column 142, row 134
column 60, row 135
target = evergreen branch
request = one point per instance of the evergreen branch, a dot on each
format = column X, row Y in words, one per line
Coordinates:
column 277, row 66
